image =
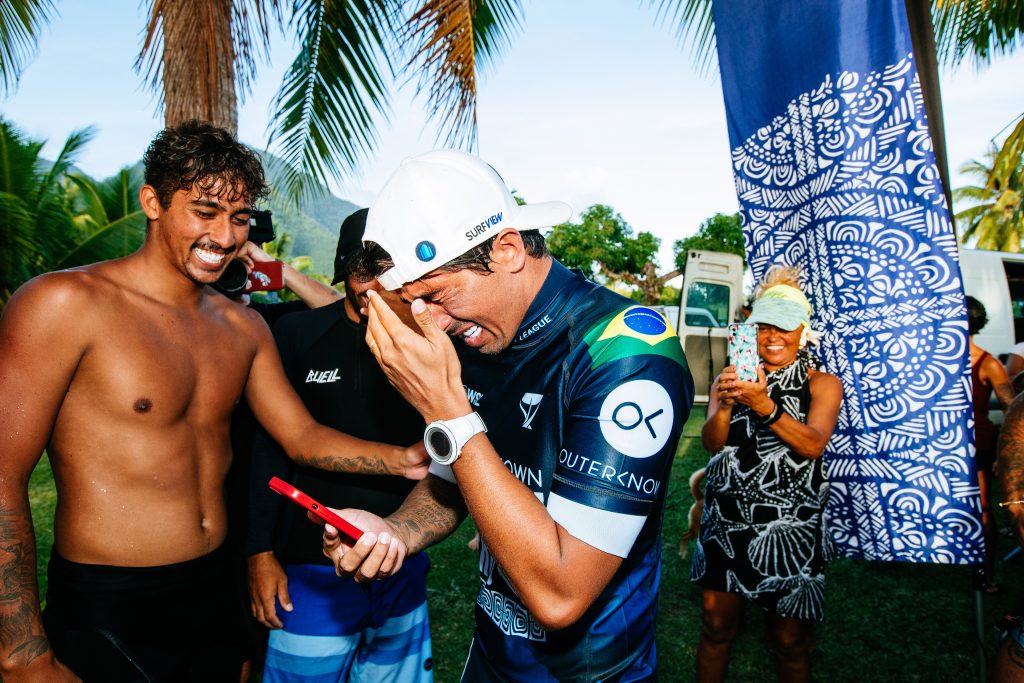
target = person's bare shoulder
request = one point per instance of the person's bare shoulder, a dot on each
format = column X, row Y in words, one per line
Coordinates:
column 48, row 327
column 824, row 381
column 240, row 316
column 993, row 370
column 824, row 385
column 63, row 297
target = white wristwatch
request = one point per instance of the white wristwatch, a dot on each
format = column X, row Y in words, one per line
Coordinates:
column 445, row 438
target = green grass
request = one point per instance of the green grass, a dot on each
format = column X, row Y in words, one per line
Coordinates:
column 884, row 622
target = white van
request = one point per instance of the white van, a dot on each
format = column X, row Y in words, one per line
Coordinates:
column 996, row 279
column 713, row 293
column 711, row 299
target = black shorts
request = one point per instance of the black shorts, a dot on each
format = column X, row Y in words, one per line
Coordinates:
column 180, row 622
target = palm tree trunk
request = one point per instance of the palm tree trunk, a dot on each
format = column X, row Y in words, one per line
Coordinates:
column 198, row 62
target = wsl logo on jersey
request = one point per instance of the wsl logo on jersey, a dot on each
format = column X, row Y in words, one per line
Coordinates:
column 528, row 405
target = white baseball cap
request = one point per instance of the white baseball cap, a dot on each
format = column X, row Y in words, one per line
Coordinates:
column 438, row 205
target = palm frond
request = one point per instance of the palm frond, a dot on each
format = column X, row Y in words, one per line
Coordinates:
column 19, row 161
column 85, row 204
column 1009, row 161
column 251, row 22
column 17, row 244
column 494, row 25
column 114, row 240
column 20, row 21
column 63, row 163
column 323, row 112
column 973, row 194
column 692, row 23
column 981, row 30
column 449, row 39
column 120, row 192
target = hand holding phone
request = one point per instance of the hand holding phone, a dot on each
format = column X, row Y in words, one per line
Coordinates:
column 325, row 514
column 743, row 351
column 265, row 276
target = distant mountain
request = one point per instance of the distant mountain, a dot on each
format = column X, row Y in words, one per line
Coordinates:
column 313, row 225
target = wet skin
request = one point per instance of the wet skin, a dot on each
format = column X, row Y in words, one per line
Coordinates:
column 139, row 443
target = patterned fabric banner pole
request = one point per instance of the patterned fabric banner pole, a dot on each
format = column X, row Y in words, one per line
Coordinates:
column 835, row 173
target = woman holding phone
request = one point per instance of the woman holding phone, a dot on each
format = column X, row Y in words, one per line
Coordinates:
column 762, row 536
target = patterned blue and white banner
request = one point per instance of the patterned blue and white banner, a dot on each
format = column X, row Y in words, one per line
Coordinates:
column 835, row 172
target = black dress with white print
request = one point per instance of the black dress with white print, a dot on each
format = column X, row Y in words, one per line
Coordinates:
column 763, row 533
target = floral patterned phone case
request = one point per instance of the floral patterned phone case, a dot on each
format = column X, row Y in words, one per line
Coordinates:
column 743, row 350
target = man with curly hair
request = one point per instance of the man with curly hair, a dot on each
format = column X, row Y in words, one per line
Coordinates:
column 127, row 372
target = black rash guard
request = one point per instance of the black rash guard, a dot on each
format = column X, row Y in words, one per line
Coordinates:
column 328, row 363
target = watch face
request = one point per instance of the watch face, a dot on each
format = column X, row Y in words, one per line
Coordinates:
column 439, row 443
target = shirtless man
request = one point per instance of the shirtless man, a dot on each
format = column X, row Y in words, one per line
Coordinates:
column 126, row 372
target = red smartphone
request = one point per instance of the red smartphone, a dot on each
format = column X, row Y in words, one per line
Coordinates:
column 265, row 276
column 324, row 513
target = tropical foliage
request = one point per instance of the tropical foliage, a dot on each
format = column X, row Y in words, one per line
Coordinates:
column 202, row 57
column 604, row 247
column 994, row 218
column 324, row 121
column 20, row 21
column 281, row 249
column 721, row 232
column 982, row 30
column 52, row 217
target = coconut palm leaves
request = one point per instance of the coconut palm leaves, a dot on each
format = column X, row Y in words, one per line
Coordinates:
column 451, row 39
column 109, row 220
column 323, row 120
column 52, row 218
column 980, row 29
column 694, row 25
column 20, row 21
column 995, row 219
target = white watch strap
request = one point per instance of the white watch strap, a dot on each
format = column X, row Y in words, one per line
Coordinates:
column 457, row 432
column 465, row 428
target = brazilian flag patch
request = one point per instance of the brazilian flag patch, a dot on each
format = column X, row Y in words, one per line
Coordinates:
column 635, row 331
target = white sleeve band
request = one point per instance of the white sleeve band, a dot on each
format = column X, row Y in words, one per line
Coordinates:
column 443, row 471
column 612, row 532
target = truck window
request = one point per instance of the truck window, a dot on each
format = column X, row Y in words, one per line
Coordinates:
column 707, row 305
column 1015, row 283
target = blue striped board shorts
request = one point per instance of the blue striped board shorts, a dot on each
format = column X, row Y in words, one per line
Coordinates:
column 341, row 631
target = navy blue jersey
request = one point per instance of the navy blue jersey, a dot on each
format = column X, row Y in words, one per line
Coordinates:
column 585, row 408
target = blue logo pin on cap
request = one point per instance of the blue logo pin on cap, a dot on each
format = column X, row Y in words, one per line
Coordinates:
column 426, row 251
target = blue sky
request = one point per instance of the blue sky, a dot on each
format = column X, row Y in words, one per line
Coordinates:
column 594, row 102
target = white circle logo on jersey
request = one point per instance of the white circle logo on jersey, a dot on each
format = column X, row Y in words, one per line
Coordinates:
column 636, row 418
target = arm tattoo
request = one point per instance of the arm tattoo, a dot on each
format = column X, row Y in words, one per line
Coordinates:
column 1015, row 653
column 431, row 513
column 359, row 464
column 21, row 637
